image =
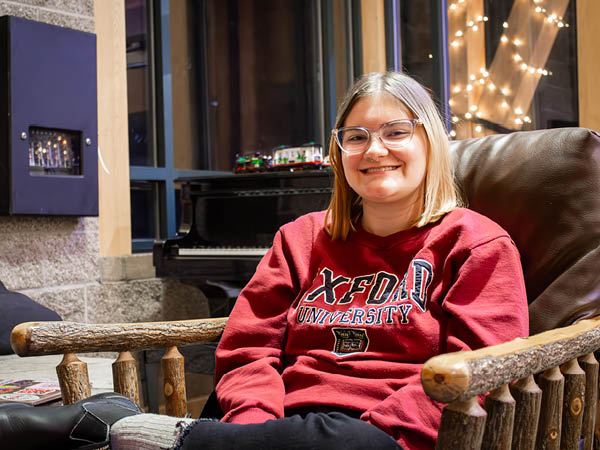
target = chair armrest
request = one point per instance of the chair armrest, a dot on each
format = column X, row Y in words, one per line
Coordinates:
column 463, row 375
column 51, row 338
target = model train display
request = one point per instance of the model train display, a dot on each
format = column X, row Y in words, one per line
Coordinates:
column 305, row 157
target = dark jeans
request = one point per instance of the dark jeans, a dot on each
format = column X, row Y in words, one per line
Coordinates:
column 314, row 431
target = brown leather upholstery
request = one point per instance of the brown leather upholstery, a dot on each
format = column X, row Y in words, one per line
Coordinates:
column 543, row 187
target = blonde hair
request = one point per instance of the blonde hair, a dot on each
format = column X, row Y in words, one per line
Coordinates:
column 440, row 193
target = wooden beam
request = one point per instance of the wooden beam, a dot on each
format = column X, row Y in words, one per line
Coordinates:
column 113, row 168
column 462, row 375
column 48, row 338
column 373, row 35
column 588, row 63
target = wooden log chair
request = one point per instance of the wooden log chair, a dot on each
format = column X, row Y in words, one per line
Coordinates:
column 543, row 187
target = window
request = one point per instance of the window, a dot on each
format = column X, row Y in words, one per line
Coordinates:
column 208, row 80
column 512, row 65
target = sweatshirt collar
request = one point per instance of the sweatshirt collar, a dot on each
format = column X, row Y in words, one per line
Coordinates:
column 411, row 235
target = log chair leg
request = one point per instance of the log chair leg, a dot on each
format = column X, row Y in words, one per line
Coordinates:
column 73, row 379
column 589, row 364
column 528, row 397
column 573, row 404
column 500, row 408
column 462, row 426
column 174, row 383
column 125, row 376
column 552, row 384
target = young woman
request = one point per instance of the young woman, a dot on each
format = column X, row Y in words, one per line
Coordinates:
column 325, row 344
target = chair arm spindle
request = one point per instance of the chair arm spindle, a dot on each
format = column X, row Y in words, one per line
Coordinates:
column 549, row 428
column 528, row 398
column 73, row 379
column 174, row 383
column 462, row 426
column 589, row 364
column 573, row 404
column 500, row 408
column 125, row 376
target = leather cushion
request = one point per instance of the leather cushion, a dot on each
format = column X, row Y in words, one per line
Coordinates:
column 543, row 187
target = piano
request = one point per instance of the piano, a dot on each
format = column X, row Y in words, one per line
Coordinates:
column 228, row 224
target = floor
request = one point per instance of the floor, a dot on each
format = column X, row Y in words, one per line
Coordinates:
column 43, row 368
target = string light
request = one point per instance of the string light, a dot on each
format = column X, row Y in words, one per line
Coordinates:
column 471, row 24
column 552, row 18
column 484, row 79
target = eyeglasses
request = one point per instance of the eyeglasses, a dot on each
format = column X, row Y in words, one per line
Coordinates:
column 394, row 135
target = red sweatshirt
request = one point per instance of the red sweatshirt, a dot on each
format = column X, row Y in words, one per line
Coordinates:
column 350, row 323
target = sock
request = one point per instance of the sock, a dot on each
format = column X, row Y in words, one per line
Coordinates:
column 146, row 432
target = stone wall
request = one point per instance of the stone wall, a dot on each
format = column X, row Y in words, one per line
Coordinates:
column 55, row 259
column 76, row 14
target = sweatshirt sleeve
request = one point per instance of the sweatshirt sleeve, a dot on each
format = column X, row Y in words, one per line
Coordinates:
column 249, row 356
column 486, row 305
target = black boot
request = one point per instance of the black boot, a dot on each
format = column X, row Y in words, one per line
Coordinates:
column 82, row 425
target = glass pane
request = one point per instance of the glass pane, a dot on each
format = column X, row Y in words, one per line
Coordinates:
column 512, row 65
column 416, row 31
column 144, row 210
column 262, row 73
column 139, row 72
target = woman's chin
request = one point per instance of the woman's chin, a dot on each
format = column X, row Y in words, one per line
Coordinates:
column 384, row 196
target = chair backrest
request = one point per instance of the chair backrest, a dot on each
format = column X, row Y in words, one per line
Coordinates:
column 543, row 187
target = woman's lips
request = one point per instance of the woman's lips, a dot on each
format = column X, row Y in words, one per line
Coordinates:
column 379, row 169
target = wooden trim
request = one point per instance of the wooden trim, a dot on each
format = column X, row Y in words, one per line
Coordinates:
column 373, row 35
column 588, row 63
column 113, row 187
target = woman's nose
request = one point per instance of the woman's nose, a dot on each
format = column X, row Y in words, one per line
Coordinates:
column 376, row 148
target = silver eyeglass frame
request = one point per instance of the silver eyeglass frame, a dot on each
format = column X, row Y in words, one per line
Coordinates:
column 415, row 123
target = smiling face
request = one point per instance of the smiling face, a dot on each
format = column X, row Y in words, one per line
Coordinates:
column 380, row 176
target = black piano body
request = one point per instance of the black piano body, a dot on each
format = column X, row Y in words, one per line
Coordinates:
column 228, row 223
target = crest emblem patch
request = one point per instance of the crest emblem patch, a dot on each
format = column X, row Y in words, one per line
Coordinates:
column 350, row 340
